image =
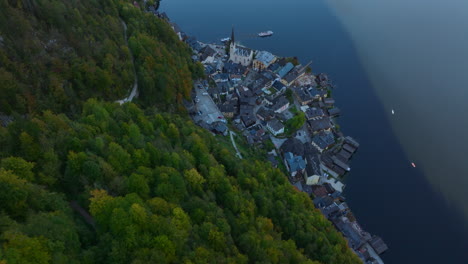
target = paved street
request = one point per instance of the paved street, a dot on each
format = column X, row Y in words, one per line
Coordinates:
column 209, row 110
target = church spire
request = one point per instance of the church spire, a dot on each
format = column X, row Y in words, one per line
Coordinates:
column 232, row 35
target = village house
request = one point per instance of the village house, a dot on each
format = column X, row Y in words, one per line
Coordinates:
column 275, row 67
column 303, row 96
column 208, row 55
column 219, row 127
column 295, row 164
column 322, row 80
column 323, row 140
column 334, row 112
column 264, row 114
column 221, row 77
column 263, row 60
column 233, row 68
column 275, row 127
column 285, row 70
column 317, row 94
column 228, row 110
column 329, row 101
column 235, row 78
column 314, row 113
column 280, row 104
column 279, row 86
column 239, row 54
column 322, row 124
column 295, row 73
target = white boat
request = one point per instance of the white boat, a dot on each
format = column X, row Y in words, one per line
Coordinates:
column 412, row 164
column 265, row 34
column 225, row 39
column 393, row 112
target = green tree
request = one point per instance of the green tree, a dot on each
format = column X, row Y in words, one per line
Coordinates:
column 19, row 167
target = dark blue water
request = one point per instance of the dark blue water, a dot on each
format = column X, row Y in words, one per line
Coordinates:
column 388, row 196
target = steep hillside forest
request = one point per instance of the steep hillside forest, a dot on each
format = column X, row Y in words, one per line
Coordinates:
column 86, row 180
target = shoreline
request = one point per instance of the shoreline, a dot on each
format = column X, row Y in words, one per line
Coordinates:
column 241, row 92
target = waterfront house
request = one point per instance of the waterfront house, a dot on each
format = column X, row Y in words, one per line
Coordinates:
column 263, row 60
column 280, row 104
column 323, row 80
column 317, row 94
column 322, row 124
column 323, row 140
column 334, row 112
column 344, row 155
column 279, row 86
column 329, row 101
column 285, row 70
column 378, row 245
column 275, row 127
column 292, row 76
column 303, row 96
column 352, row 142
column 314, row 113
column 340, row 164
column 295, row 164
column 349, row 148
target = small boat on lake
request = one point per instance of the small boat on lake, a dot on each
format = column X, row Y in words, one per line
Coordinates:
column 265, row 34
column 393, row 112
column 224, row 40
column 412, row 164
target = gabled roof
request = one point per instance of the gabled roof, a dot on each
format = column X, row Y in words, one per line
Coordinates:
column 265, row 57
column 295, row 163
column 279, row 102
column 320, row 124
column 285, row 70
column 207, row 52
column 314, row 112
column 324, row 139
column 242, row 51
column 294, row 146
column 278, row 85
column 275, row 124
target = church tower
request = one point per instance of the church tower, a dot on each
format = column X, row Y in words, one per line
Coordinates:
column 232, row 47
column 232, row 35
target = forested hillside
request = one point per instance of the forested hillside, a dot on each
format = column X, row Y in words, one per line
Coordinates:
column 89, row 181
column 55, row 54
column 159, row 190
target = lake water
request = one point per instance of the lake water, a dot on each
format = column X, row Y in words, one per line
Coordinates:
column 410, row 56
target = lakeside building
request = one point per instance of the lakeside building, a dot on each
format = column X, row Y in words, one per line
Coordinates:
column 240, row 54
column 263, row 60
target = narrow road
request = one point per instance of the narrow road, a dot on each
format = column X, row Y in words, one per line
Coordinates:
column 234, row 144
column 134, row 92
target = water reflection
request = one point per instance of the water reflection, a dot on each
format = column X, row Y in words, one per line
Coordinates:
column 415, row 54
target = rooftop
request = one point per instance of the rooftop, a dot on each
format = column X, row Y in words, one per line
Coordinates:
column 295, row 163
column 275, row 124
column 265, row 57
column 285, row 70
column 324, row 140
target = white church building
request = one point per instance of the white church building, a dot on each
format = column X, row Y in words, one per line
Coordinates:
column 240, row 54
